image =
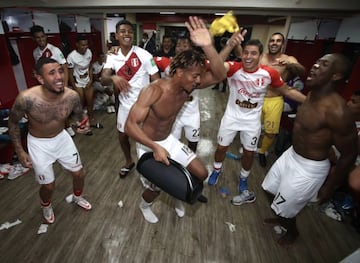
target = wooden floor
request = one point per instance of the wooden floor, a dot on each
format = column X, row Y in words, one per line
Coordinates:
column 109, row 233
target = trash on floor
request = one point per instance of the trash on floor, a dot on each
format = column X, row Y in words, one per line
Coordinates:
column 224, row 192
column 42, row 229
column 280, row 230
column 232, row 227
column 7, row 225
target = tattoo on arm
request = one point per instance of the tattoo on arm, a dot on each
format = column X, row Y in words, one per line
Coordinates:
column 77, row 108
column 20, row 107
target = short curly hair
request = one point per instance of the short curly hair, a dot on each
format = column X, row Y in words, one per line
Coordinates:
column 186, row 59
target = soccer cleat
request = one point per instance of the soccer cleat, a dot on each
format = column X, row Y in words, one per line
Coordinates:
column 214, row 176
column 48, row 214
column 245, row 197
column 81, row 201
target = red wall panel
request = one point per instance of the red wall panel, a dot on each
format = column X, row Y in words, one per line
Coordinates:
column 8, row 88
column 307, row 52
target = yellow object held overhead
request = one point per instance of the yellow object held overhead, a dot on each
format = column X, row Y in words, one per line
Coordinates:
column 226, row 23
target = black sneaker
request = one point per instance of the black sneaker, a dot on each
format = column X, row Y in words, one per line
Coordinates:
column 202, row 199
column 262, row 160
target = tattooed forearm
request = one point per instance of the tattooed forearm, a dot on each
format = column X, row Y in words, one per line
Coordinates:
column 15, row 137
column 16, row 113
column 77, row 108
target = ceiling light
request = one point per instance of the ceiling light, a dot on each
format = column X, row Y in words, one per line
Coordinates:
column 167, row 13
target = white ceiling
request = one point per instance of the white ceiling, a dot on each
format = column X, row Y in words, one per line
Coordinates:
column 313, row 8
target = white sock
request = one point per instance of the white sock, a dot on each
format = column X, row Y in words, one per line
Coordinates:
column 147, row 212
column 217, row 165
column 179, row 208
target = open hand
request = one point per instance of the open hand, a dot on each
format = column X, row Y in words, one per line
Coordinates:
column 199, row 34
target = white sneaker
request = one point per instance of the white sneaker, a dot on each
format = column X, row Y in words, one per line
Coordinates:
column 246, row 197
column 113, row 109
column 70, row 131
column 81, row 201
column 109, row 109
column 16, row 171
column 48, row 214
column 4, row 170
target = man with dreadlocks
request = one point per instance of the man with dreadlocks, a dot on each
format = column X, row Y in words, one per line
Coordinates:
column 152, row 116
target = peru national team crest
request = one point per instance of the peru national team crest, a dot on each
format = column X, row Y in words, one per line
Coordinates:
column 260, row 82
column 134, row 62
column 47, row 53
column 130, row 67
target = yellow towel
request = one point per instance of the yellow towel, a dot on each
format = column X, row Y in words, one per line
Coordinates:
column 226, row 23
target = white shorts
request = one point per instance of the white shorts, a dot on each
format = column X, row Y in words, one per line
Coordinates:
column 122, row 116
column 294, row 180
column 191, row 125
column 46, row 151
column 249, row 133
column 177, row 150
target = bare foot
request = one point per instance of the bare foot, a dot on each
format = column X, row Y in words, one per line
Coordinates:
column 288, row 239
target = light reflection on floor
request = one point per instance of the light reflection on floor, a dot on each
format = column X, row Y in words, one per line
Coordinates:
column 206, row 148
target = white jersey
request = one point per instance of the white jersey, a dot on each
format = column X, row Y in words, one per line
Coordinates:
column 80, row 64
column 247, row 91
column 190, row 107
column 50, row 51
column 97, row 68
column 136, row 67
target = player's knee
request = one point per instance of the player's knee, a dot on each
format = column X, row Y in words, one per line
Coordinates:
column 203, row 174
column 221, row 149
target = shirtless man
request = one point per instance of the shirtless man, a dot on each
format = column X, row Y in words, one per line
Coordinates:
column 273, row 102
column 45, row 49
column 47, row 107
column 322, row 120
column 153, row 114
column 189, row 116
column 354, row 177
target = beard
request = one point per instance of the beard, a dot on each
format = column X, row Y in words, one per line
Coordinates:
column 274, row 51
column 55, row 91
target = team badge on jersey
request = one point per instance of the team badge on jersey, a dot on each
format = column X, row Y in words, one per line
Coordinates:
column 47, row 53
column 135, row 62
